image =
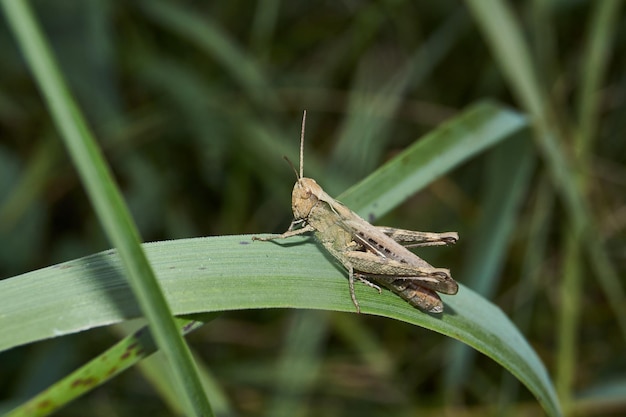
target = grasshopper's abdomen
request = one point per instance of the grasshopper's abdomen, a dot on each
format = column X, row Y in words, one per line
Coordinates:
column 414, row 294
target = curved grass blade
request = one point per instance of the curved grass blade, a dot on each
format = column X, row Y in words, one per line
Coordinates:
column 239, row 274
column 475, row 130
column 232, row 273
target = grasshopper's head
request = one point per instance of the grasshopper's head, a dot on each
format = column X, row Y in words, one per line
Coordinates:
column 304, row 197
column 306, row 193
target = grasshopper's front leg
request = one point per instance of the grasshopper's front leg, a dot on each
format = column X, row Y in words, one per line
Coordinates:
column 289, row 233
column 410, row 238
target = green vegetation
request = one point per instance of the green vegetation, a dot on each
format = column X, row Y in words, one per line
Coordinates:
column 165, row 122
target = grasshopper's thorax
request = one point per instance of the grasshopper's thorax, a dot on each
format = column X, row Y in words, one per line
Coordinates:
column 304, row 197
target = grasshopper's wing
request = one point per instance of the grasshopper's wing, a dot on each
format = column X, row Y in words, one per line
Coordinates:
column 375, row 240
column 408, row 238
column 384, row 257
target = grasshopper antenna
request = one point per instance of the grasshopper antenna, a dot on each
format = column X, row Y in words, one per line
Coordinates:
column 292, row 167
column 301, row 151
column 302, row 145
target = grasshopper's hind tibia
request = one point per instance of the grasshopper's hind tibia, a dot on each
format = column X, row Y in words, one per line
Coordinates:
column 364, row 280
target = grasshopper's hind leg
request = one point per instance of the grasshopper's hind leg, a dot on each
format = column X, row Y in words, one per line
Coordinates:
column 364, row 280
column 410, row 238
column 351, row 285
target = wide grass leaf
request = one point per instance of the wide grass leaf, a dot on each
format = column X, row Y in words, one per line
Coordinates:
column 233, row 273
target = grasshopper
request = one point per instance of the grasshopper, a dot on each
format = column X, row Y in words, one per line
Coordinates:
column 373, row 255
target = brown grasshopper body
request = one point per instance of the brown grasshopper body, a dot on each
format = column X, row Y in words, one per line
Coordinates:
column 374, row 255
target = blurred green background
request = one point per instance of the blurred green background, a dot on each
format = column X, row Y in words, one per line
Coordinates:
column 194, row 105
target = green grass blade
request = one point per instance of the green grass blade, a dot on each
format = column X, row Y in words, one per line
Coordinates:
column 114, row 361
column 107, row 201
column 504, row 36
column 233, row 273
column 368, row 121
column 476, row 129
column 602, row 26
column 495, row 18
column 530, row 282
